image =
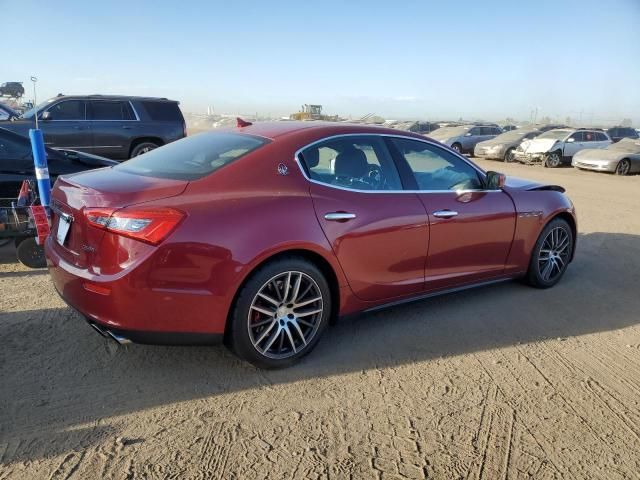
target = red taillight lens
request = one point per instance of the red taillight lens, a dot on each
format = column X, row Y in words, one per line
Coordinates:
column 150, row 225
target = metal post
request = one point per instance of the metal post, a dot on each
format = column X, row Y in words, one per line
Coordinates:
column 35, row 99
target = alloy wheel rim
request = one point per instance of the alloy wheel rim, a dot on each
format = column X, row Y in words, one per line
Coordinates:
column 553, row 160
column 554, row 254
column 285, row 315
column 623, row 168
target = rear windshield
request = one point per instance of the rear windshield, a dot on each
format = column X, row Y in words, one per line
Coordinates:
column 163, row 111
column 193, row 157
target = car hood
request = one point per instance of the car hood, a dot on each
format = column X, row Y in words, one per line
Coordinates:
column 516, row 183
column 600, row 154
column 538, row 145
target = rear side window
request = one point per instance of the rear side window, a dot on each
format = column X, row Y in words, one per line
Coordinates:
column 601, row 137
column 110, row 110
column 352, row 162
column 163, row 111
column 193, row 157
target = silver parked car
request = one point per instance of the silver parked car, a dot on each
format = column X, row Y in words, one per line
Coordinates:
column 504, row 145
column 464, row 138
column 556, row 147
column 621, row 158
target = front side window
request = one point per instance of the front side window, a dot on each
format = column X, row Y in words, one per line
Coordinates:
column 437, row 169
column 475, row 131
column 589, row 136
column 67, row 110
column 110, row 110
column 354, row 162
column 4, row 115
column 577, row 137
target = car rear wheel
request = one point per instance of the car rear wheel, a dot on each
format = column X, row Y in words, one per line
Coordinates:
column 31, row 254
column 457, row 147
column 280, row 313
column 143, row 147
column 509, row 155
column 552, row 160
column 551, row 254
column 623, row 167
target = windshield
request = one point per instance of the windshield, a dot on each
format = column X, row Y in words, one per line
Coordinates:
column 555, row 134
column 30, row 113
column 628, row 145
column 193, row 157
column 446, row 132
column 512, row 135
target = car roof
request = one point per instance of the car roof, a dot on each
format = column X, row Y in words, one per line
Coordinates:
column 112, row 97
column 275, row 130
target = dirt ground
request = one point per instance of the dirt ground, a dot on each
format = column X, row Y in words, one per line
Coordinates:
column 499, row 382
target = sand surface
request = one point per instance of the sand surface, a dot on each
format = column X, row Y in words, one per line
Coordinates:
column 499, row 382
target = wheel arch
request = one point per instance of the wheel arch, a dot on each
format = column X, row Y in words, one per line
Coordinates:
column 566, row 216
column 313, row 257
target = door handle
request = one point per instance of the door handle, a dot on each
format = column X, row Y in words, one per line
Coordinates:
column 124, row 127
column 339, row 216
column 444, row 213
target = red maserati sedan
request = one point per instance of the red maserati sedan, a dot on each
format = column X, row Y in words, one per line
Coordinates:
column 262, row 234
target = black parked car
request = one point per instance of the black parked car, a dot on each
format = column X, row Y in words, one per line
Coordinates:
column 16, row 162
column 618, row 133
column 7, row 113
column 115, row 127
column 11, row 89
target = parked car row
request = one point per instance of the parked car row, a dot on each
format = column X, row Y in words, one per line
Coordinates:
column 116, row 127
column 614, row 150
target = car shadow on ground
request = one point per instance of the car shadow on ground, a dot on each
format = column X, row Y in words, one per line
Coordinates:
column 58, row 374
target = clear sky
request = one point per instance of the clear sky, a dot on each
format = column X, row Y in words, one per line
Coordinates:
column 399, row 59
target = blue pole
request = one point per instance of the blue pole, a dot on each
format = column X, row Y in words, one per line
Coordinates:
column 40, row 162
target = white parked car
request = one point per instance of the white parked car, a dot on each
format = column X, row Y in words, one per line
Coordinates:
column 558, row 146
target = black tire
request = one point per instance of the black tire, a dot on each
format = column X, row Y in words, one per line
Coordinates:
column 508, row 155
column 240, row 337
column 553, row 160
column 624, row 167
column 536, row 274
column 457, row 147
column 31, row 254
column 143, row 147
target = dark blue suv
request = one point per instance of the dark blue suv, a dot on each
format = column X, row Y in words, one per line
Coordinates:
column 115, row 127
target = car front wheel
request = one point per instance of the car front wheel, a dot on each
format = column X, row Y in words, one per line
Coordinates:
column 509, row 155
column 623, row 167
column 551, row 254
column 280, row 313
column 552, row 160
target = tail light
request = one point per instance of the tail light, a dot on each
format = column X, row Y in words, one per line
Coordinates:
column 149, row 225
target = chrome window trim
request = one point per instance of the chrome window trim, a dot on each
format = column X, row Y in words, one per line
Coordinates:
column 390, row 135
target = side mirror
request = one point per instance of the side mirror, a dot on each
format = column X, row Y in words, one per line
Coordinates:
column 571, row 140
column 468, row 134
column 46, row 116
column 495, row 180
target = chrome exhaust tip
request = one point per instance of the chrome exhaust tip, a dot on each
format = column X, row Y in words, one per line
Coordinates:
column 118, row 338
column 109, row 334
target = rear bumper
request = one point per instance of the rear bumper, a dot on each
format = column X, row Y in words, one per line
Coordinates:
column 132, row 307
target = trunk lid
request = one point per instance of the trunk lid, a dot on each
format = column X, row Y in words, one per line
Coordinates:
column 108, row 188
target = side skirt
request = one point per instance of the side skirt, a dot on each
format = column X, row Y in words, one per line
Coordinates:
column 439, row 292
